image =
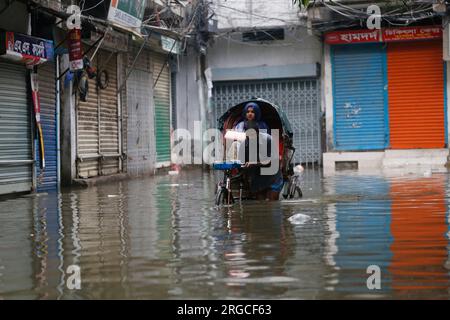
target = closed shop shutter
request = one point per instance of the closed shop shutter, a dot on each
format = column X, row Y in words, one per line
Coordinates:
column 359, row 77
column 97, row 123
column 299, row 99
column 109, row 120
column 15, row 131
column 162, row 107
column 88, row 133
column 141, row 136
column 416, row 95
column 47, row 180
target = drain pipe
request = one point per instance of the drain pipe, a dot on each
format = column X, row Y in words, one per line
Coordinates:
column 58, row 124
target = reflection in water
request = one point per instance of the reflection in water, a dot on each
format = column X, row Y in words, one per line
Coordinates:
column 419, row 229
column 16, row 256
column 46, row 246
column 255, row 243
column 364, row 232
column 161, row 238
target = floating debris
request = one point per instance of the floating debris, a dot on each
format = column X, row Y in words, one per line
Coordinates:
column 299, row 219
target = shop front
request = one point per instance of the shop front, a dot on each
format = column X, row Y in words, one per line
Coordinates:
column 25, row 121
column 388, row 96
column 99, row 143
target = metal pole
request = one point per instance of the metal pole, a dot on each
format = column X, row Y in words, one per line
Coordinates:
column 58, row 124
column 119, row 59
column 133, row 64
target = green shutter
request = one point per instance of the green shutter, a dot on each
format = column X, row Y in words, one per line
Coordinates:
column 162, row 107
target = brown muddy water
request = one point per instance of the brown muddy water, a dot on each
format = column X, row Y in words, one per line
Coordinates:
column 162, row 238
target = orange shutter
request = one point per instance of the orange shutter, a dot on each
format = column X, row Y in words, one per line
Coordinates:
column 416, row 95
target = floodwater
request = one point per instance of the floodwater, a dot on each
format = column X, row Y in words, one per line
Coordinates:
column 161, row 238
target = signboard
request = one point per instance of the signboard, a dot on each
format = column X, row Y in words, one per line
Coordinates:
column 353, row 36
column 412, row 33
column 28, row 49
column 113, row 41
column 75, row 50
column 170, row 45
column 384, row 35
column 127, row 13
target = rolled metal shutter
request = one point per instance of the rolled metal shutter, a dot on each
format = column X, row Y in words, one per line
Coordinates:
column 88, row 132
column 359, row 78
column 97, row 123
column 15, row 131
column 47, row 180
column 141, row 149
column 299, row 99
column 109, row 119
column 162, row 106
column 416, row 95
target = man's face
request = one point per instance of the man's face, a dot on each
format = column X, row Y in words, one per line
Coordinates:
column 250, row 114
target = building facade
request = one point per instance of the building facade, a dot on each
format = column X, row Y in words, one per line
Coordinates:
column 254, row 49
column 385, row 95
column 28, row 123
column 123, row 127
column 111, row 118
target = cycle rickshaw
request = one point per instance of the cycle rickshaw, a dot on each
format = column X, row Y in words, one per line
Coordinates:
column 234, row 185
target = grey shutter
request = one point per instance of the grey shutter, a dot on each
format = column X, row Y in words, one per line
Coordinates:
column 15, row 131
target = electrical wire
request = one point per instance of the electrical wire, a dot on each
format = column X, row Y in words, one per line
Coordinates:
column 91, row 8
column 289, row 32
column 287, row 23
column 395, row 17
column 255, row 14
column 357, row 13
column 250, row 44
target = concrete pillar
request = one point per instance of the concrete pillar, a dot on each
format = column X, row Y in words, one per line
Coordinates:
column 68, row 128
column 327, row 82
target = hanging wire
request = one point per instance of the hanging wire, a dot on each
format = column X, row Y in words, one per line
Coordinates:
column 91, row 8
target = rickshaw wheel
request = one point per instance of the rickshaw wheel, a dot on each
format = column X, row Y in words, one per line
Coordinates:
column 299, row 192
column 219, row 196
column 293, row 189
column 222, row 196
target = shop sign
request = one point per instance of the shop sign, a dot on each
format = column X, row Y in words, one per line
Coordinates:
column 75, row 50
column 127, row 13
column 27, row 49
column 384, row 35
column 353, row 36
column 412, row 33
column 113, row 41
column 170, row 45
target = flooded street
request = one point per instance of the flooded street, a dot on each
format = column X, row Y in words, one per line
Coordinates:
column 161, row 238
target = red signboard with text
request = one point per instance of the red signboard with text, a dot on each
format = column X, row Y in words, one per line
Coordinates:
column 384, row 35
column 75, row 50
column 412, row 33
column 353, row 36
